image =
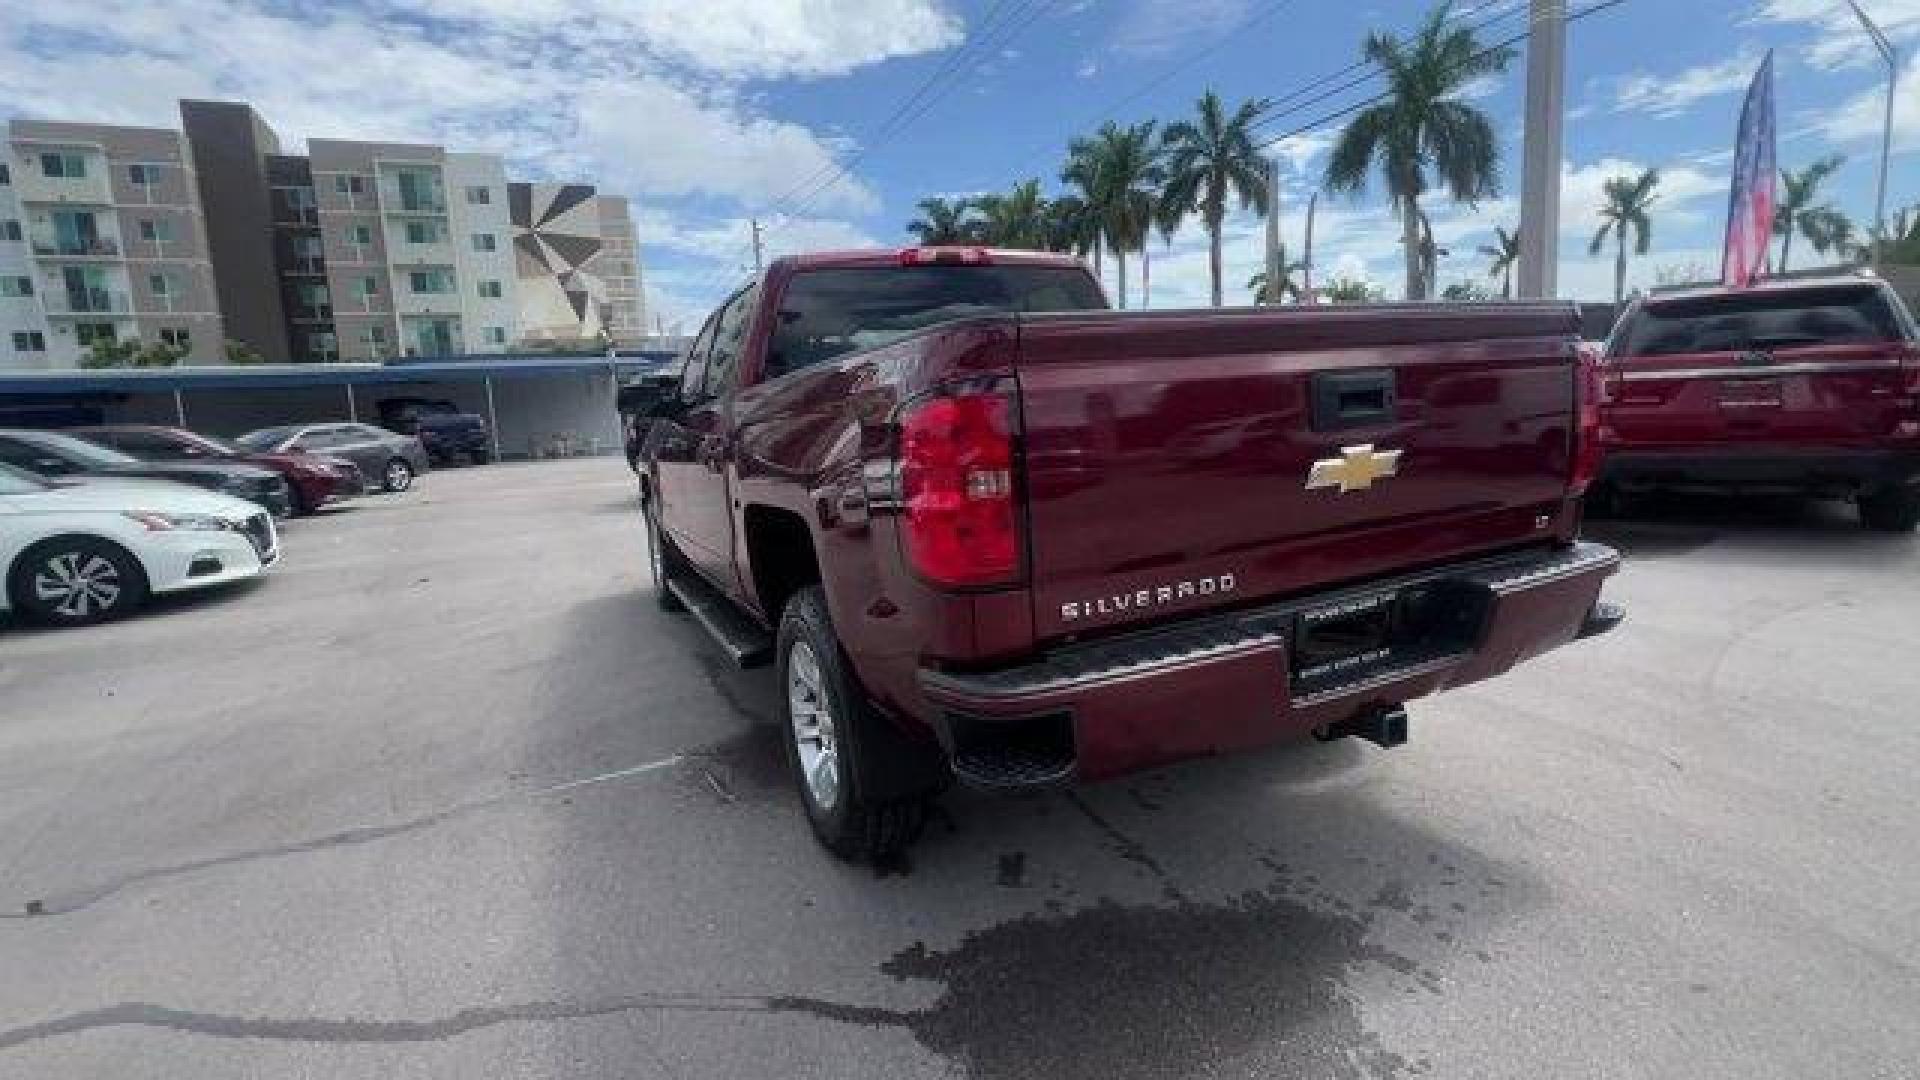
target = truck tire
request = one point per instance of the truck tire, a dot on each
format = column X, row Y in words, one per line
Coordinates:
column 829, row 726
column 661, row 559
column 1895, row 509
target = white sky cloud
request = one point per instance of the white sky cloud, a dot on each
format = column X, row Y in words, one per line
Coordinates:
column 640, row 96
column 1839, row 40
column 1675, row 93
column 1861, row 116
column 1157, row 27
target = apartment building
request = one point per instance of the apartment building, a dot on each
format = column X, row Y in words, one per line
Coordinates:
column 101, row 239
column 351, row 251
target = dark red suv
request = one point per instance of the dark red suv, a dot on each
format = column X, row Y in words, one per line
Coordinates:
column 1806, row 385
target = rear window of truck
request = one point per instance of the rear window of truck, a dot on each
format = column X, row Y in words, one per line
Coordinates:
column 1760, row 320
column 831, row 312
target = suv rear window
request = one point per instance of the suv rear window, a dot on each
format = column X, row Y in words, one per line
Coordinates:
column 1763, row 319
column 829, row 313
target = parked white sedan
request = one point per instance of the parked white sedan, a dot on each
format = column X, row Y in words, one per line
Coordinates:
column 78, row 553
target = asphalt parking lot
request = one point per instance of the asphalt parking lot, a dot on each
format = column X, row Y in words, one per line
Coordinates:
column 446, row 796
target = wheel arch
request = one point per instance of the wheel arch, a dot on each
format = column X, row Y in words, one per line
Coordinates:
column 21, row 558
column 782, row 556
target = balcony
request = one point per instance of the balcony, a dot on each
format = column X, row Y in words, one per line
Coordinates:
column 296, row 216
column 431, row 253
column 104, row 247
column 311, row 313
column 86, row 302
column 305, row 264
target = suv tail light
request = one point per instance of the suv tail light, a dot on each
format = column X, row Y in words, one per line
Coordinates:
column 945, row 256
column 1589, row 387
column 960, row 525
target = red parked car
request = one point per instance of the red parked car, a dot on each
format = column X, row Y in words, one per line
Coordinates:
column 986, row 529
column 313, row 480
column 1808, row 385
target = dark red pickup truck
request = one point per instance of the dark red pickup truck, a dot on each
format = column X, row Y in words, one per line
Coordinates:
column 988, row 529
column 1806, row 385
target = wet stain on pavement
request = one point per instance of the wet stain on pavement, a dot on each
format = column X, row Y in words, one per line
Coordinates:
column 750, row 762
column 1118, row 990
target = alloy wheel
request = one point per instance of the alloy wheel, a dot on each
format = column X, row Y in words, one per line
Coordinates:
column 77, row 584
column 815, row 737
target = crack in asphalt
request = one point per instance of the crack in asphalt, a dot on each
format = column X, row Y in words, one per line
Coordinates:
column 316, row 1030
column 79, row 899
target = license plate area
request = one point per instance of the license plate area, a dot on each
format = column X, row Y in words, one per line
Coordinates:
column 1358, row 636
column 1751, row 394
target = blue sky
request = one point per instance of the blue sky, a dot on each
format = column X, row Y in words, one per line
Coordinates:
column 706, row 114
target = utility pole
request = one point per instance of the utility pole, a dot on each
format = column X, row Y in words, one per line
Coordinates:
column 1306, row 257
column 1892, row 57
column 1540, row 177
column 1271, row 294
column 757, row 264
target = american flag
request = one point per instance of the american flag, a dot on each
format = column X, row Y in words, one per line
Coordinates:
column 1750, row 200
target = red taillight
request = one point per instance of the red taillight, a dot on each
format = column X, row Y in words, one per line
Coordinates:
column 960, row 525
column 1588, row 386
column 950, row 256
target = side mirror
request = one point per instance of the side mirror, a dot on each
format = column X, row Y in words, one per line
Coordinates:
column 648, row 395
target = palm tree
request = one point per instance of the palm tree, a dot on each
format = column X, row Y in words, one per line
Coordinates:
column 1422, row 127
column 1430, row 256
column 1828, row 230
column 1289, row 284
column 1796, row 201
column 943, row 221
column 1126, row 176
column 1017, row 219
column 1070, row 228
column 1209, row 158
column 1083, row 171
column 1505, row 252
column 1627, row 201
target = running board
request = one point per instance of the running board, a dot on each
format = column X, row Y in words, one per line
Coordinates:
column 746, row 643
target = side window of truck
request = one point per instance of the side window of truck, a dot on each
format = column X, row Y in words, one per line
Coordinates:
column 729, row 340
column 693, row 374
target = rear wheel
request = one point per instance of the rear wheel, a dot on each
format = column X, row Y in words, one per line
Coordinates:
column 397, row 475
column 77, row 580
column 829, row 725
column 1891, row 509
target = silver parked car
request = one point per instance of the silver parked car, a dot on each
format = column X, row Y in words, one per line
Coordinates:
column 384, row 457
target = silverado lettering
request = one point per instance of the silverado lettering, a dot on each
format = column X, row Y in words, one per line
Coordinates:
column 914, row 482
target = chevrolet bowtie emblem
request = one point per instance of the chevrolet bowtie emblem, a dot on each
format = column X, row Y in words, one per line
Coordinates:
column 1355, row 469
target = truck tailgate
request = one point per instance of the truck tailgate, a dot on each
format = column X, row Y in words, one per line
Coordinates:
column 1168, row 456
column 1821, row 395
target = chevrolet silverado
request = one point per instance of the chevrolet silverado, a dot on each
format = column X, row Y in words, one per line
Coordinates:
column 987, row 529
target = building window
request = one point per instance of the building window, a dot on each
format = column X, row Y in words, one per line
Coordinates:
column 141, row 175
column 489, row 290
column 87, row 333
column 159, row 284
column 177, row 337
column 64, row 166
column 10, row 230
column 156, row 230
column 349, row 185
column 29, row 341
column 16, row 286
column 426, row 232
column 6, row 177
column 483, row 241
column 369, row 287
column 494, row 335
column 430, row 281
column 480, row 195
column 374, row 341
